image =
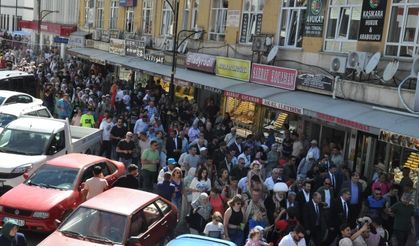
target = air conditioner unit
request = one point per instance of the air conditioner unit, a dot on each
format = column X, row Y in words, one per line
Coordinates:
column 357, row 60
column 259, row 43
column 182, row 48
column 338, row 64
column 168, row 45
column 97, row 35
column 145, row 41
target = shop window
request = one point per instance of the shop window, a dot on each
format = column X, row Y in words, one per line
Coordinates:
column 243, row 115
column 186, row 13
column 403, row 28
column 343, row 25
column 100, row 14
column 291, row 30
column 86, row 12
column 167, row 20
column 251, row 22
column 114, row 15
column 195, row 8
column 129, row 20
column 218, row 20
column 147, row 16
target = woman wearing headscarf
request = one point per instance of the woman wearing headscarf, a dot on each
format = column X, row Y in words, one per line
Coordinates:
column 187, row 194
column 10, row 236
column 200, row 213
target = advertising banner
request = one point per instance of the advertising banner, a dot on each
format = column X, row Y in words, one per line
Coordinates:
column 372, row 20
column 232, row 68
column 284, row 78
column 315, row 18
column 117, row 46
column 201, row 62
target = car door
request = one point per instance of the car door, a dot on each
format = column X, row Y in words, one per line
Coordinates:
column 107, row 172
column 169, row 220
column 113, row 172
column 154, row 230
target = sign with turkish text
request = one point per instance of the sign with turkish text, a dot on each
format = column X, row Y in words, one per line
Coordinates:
column 232, row 68
column 233, row 18
column 101, row 45
column 60, row 40
column 117, row 46
column 247, row 20
column 282, row 106
column 133, row 48
column 372, row 20
column 243, row 97
column 315, row 18
column 343, row 122
column 315, row 81
column 201, row 62
column 284, row 78
column 76, row 41
column 154, row 58
column 105, row 36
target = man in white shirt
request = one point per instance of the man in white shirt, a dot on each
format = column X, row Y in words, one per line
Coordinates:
column 314, row 150
column 96, row 184
column 272, row 180
column 246, row 156
column 230, row 138
column 141, row 125
column 106, row 146
column 294, row 238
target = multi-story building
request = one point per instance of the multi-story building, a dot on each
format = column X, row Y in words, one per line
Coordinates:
column 12, row 11
column 299, row 49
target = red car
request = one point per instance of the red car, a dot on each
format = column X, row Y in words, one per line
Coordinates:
column 119, row 216
column 54, row 190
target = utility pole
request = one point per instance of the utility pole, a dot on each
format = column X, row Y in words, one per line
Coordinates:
column 38, row 32
column 174, row 54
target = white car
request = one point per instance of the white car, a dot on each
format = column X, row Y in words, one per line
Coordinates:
column 9, row 113
column 12, row 97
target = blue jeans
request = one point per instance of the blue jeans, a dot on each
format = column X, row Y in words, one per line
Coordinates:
column 149, row 178
column 177, row 201
column 236, row 236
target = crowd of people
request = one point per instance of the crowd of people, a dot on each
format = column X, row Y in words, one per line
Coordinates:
column 250, row 190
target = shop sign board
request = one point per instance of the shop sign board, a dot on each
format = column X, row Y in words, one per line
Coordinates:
column 117, row 46
column 133, row 48
column 245, row 25
column 105, row 36
column 343, row 122
column 208, row 88
column 76, row 41
column 243, row 97
column 200, row 62
column 128, row 3
column 101, row 45
column 315, row 81
column 178, row 82
column 233, row 18
column 60, row 40
column 398, row 139
column 315, row 18
column 372, row 20
column 154, row 58
column 282, row 106
column 284, row 78
column 232, row 68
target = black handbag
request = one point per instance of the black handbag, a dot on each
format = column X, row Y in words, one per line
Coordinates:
column 196, row 221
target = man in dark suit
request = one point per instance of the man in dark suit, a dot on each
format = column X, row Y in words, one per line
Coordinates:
column 312, row 220
column 173, row 146
column 340, row 211
column 355, row 204
column 304, row 195
column 335, row 178
column 237, row 146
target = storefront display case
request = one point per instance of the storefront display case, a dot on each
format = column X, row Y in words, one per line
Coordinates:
column 243, row 115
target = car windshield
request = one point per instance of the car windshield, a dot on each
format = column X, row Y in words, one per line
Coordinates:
column 6, row 119
column 23, row 142
column 54, row 177
column 95, row 225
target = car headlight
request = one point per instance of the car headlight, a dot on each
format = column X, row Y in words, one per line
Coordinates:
column 41, row 215
column 22, row 168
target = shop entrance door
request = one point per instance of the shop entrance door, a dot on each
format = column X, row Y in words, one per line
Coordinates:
column 365, row 153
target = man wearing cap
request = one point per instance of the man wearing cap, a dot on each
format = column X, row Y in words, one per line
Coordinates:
column 125, row 149
column 314, row 150
column 10, row 236
column 171, row 164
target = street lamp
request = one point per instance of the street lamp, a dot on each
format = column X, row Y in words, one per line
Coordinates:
column 41, row 15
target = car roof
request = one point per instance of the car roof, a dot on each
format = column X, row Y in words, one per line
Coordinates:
column 119, row 200
column 75, row 160
column 6, row 93
column 18, row 108
column 197, row 240
column 12, row 73
column 36, row 124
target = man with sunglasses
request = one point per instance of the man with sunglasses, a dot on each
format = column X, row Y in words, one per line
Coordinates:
column 294, row 238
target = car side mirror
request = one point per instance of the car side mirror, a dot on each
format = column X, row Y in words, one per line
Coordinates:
column 133, row 241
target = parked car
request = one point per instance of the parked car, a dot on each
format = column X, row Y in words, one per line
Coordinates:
column 197, row 240
column 54, row 190
column 11, row 97
column 28, row 142
column 119, row 216
column 11, row 112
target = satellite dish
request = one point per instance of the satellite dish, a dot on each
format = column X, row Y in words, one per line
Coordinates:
column 272, row 53
column 390, row 70
column 372, row 63
column 415, row 67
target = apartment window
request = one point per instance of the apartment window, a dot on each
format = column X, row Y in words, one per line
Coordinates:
column 186, row 13
column 343, row 25
column 195, row 8
column 4, row 21
column 218, row 20
column 147, row 16
column 167, row 20
column 86, row 12
column 251, row 23
column 402, row 35
column 114, row 15
column 100, row 14
column 292, row 21
column 129, row 20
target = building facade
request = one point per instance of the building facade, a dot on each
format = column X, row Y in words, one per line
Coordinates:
column 12, row 11
column 297, row 39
